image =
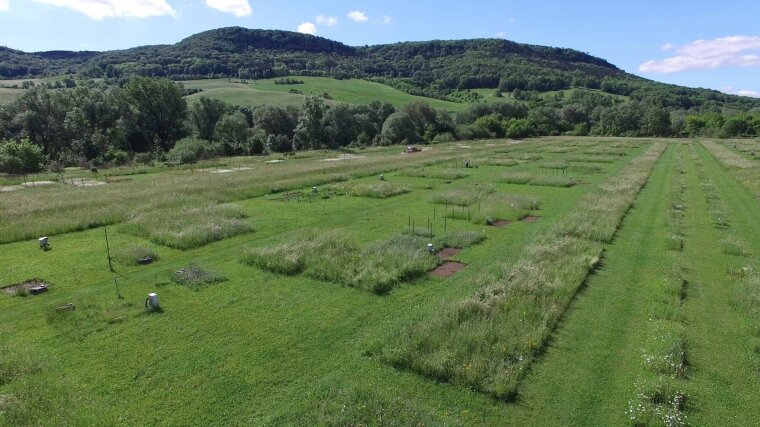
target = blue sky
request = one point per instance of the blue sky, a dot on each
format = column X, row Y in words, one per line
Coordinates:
column 690, row 42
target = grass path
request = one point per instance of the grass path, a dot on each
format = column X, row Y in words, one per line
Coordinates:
column 725, row 391
column 587, row 375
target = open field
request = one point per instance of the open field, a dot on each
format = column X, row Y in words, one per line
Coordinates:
column 302, row 291
column 266, row 92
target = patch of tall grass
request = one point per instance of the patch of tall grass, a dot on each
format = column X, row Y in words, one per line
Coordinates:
column 434, row 173
column 488, row 341
column 460, row 239
column 375, row 190
column 335, row 256
column 505, row 207
column 464, row 196
column 132, row 254
column 727, row 157
column 585, row 168
column 501, row 162
column 525, row 178
column 601, row 211
column 196, row 277
column 58, row 209
column 189, row 226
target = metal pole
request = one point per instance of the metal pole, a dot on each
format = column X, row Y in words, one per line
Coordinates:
column 108, row 250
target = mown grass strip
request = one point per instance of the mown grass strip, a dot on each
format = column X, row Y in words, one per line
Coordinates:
column 659, row 393
column 488, row 341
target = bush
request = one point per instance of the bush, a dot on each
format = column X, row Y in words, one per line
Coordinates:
column 116, row 156
column 444, row 137
column 143, row 158
column 189, row 151
column 20, row 157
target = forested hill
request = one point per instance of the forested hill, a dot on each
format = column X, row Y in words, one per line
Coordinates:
column 430, row 68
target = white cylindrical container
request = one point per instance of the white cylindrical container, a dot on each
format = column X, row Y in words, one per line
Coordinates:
column 153, row 300
column 430, row 248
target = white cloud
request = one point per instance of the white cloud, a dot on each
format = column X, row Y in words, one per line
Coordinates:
column 307, row 28
column 709, row 54
column 501, row 34
column 357, row 16
column 386, row 20
column 741, row 92
column 5, row 5
column 239, row 8
column 667, row 46
column 100, row 9
column 329, row 21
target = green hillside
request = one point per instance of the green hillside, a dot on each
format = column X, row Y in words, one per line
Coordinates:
column 266, row 92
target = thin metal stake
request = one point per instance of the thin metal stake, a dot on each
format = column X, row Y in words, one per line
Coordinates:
column 108, row 250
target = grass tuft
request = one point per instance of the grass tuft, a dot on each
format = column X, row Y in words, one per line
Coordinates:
column 195, row 277
column 189, row 226
column 132, row 254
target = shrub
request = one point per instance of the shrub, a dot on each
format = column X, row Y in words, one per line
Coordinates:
column 444, row 137
column 116, row 156
column 20, row 157
column 143, row 158
column 190, row 150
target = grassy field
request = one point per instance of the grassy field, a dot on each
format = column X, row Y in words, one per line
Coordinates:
column 302, row 292
column 266, row 92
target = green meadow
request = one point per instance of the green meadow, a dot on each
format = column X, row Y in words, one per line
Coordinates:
column 266, row 92
column 572, row 281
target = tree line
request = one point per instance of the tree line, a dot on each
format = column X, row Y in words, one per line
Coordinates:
column 147, row 120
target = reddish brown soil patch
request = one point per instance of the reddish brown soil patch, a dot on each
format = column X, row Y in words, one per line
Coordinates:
column 23, row 288
column 447, row 253
column 447, row 269
column 500, row 223
column 530, row 218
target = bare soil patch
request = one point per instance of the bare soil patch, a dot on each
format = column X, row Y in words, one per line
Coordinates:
column 500, row 223
column 24, row 288
column 447, row 253
column 448, row 269
column 226, row 170
column 530, row 218
column 31, row 184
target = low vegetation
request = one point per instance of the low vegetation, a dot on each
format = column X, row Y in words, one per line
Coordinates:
column 334, row 256
column 195, row 277
column 488, row 341
column 541, row 180
column 464, row 196
column 189, row 226
column 375, row 190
